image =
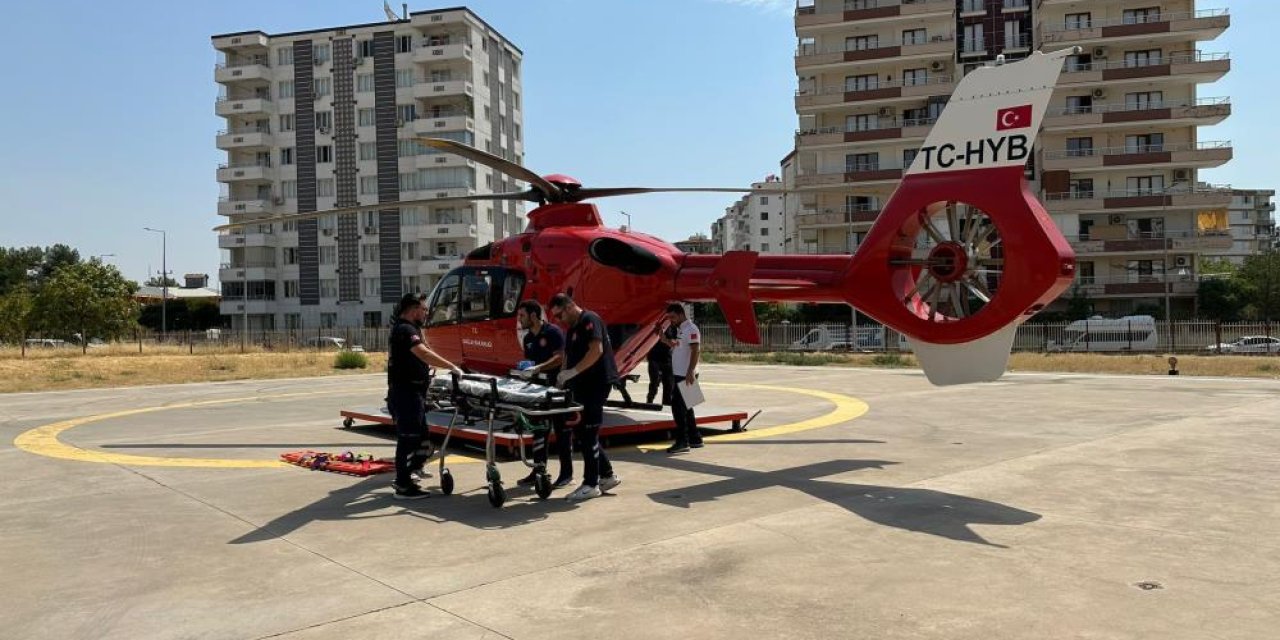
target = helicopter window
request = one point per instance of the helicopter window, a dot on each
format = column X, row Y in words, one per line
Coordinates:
column 475, row 295
column 444, row 304
column 512, row 287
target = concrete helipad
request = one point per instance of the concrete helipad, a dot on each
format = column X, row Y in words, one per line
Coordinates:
column 864, row 504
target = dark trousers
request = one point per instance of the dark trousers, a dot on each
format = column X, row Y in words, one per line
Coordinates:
column 563, row 446
column 408, row 409
column 686, row 423
column 660, row 375
column 595, row 463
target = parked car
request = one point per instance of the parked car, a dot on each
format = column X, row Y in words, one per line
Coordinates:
column 331, row 342
column 45, row 343
column 1248, row 344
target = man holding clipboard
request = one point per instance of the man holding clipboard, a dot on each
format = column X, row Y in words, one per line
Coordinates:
column 684, row 364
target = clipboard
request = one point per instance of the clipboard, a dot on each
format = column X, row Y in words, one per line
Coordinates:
column 691, row 393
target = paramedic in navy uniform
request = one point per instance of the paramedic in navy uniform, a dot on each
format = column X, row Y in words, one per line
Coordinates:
column 408, row 374
column 543, row 346
column 590, row 373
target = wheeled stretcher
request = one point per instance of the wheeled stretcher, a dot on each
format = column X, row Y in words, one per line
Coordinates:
column 530, row 406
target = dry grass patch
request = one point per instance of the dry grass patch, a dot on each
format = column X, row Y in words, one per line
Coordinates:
column 103, row 369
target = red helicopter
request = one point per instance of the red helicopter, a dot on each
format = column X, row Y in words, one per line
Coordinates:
column 961, row 254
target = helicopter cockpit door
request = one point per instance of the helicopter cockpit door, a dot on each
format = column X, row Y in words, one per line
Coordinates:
column 486, row 300
column 443, row 311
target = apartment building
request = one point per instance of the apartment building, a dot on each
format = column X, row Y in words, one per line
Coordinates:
column 325, row 118
column 756, row 222
column 1116, row 165
column 1251, row 224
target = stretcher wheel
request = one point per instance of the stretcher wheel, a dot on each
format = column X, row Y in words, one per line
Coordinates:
column 348, row 423
column 497, row 495
column 542, row 485
column 446, row 482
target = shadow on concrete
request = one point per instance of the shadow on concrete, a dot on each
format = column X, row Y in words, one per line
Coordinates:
column 922, row 510
column 283, row 446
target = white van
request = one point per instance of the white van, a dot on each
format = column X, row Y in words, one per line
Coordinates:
column 1130, row 333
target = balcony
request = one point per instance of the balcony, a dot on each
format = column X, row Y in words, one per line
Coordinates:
column 256, row 70
column 236, row 306
column 1151, row 243
column 1015, row 6
column 241, row 41
column 438, row 265
column 245, row 172
column 438, row 51
column 814, row 56
column 836, row 217
column 227, row 206
column 238, row 239
column 881, row 92
column 426, row 89
column 1147, row 285
column 1102, row 201
column 1192, row 25
column 253, row 271
column 885, row 129
column 835, row 12
column 1196, row 154
column 1204, row 111
column 1197, row 67
column 226, row 107
column 244, row 139
column 860, row 174
column 456, row 230
column 426, row 125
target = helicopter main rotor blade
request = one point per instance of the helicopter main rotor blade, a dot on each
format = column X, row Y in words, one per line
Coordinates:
column 607, row 192
column 549, row 190
column 530, row 195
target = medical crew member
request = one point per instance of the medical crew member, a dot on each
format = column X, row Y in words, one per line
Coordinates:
column 684, row 364
column 544, row 345
column 660, row 365
column 408, row 375
column 590, row 373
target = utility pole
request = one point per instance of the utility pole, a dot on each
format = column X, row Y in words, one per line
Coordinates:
column 164, row 278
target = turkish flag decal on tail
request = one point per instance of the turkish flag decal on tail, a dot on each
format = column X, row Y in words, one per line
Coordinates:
column 1013, row 118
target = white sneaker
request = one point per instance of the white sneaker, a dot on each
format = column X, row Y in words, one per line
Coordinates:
column 584, row 492
column 609, row 482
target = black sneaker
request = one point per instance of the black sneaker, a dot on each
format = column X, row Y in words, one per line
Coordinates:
column 697, row 445
column 678, row 447
column 528, row 480
column 411, row 492
column 562, row 482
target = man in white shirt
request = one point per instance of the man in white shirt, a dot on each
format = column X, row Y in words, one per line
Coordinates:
column 684, row 364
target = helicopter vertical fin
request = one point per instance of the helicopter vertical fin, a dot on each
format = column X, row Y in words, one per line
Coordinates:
column 731, row 282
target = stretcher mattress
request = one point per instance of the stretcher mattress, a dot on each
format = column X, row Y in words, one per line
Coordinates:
column 512, row 392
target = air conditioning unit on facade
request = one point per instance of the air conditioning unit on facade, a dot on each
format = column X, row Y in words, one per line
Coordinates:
column 371, row 231
column 937, row 65
column 1181, row 175
column 886, row 112
column 1182, row 261
column 1099, row 52
column 1099, row 93
column 1115, row 218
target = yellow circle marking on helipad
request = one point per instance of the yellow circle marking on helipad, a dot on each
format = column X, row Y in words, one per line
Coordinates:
column 44, row 440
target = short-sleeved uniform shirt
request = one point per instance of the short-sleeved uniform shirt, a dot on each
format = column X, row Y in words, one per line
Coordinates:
column 542, row 346
column 599, row 377
column 403, row 367
column 686, row 335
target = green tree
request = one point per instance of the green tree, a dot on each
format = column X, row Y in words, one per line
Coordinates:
column 1218, row 266
column 157, row 281
column 88, row 298
column 1079, row 305
column 15, row 315
column 1261, row 277
column 16, row 264
column 55, row 258
column 1223, row 299
column 183, row 315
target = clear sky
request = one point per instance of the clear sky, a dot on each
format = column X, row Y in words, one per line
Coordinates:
column 108, row 122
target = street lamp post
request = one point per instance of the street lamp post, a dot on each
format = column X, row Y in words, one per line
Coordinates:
column 164, row 278
column 624, row 213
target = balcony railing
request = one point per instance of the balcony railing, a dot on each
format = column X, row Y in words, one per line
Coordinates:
column 245, row 165
column 1145, row 106
column 859, row 5
column 839, row 89
column 881, row 124
column 1177, row 58
column 1013, row 5
column 244, row 130
column 814, row 50
column 1134, row 149
column 242, row 98
column 859, row 167
column 1131, row 20
column 1082, row 194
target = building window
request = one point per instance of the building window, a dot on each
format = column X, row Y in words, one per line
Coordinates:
column 1085, row 269
column 1078, row 20
column 908, row 157
column 364, row 82
column 328, row 320
column 366, row 48
column 1145, row 185
column 1144, row 143
column 764, row 246
column 284, row 56
column 914, row 36
column 328, row 254
column 293, row 321
column 368, row 185
column 1143, row 58
column 324, row 153
column 286, row 122
column 368, row 151
column 373, row 319
column 1143, row 101
column 404, row 78
column 289, row 255
column 973, row 38
column 854, row 162
column 764, row 231
column 289, row 226
column 290, row 288
column 1141, row 16
column 320, row 52
column 404, row 44
column 324, row 121
column 328, row 289
column 1079, row 147
column 289, row 189
column 1079, row 104
column 371, row 287
column 408, row 251
column 284, row 89
column 366, row 117
column 324, row 188
column 406, row 112
column 862, row 43
column 764, row 200
column 369, row 252
column 323, row 86
column 862, row 83
column 915, row 77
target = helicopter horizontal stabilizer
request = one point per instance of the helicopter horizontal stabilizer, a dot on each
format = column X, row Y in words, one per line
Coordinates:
column 731, row 282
